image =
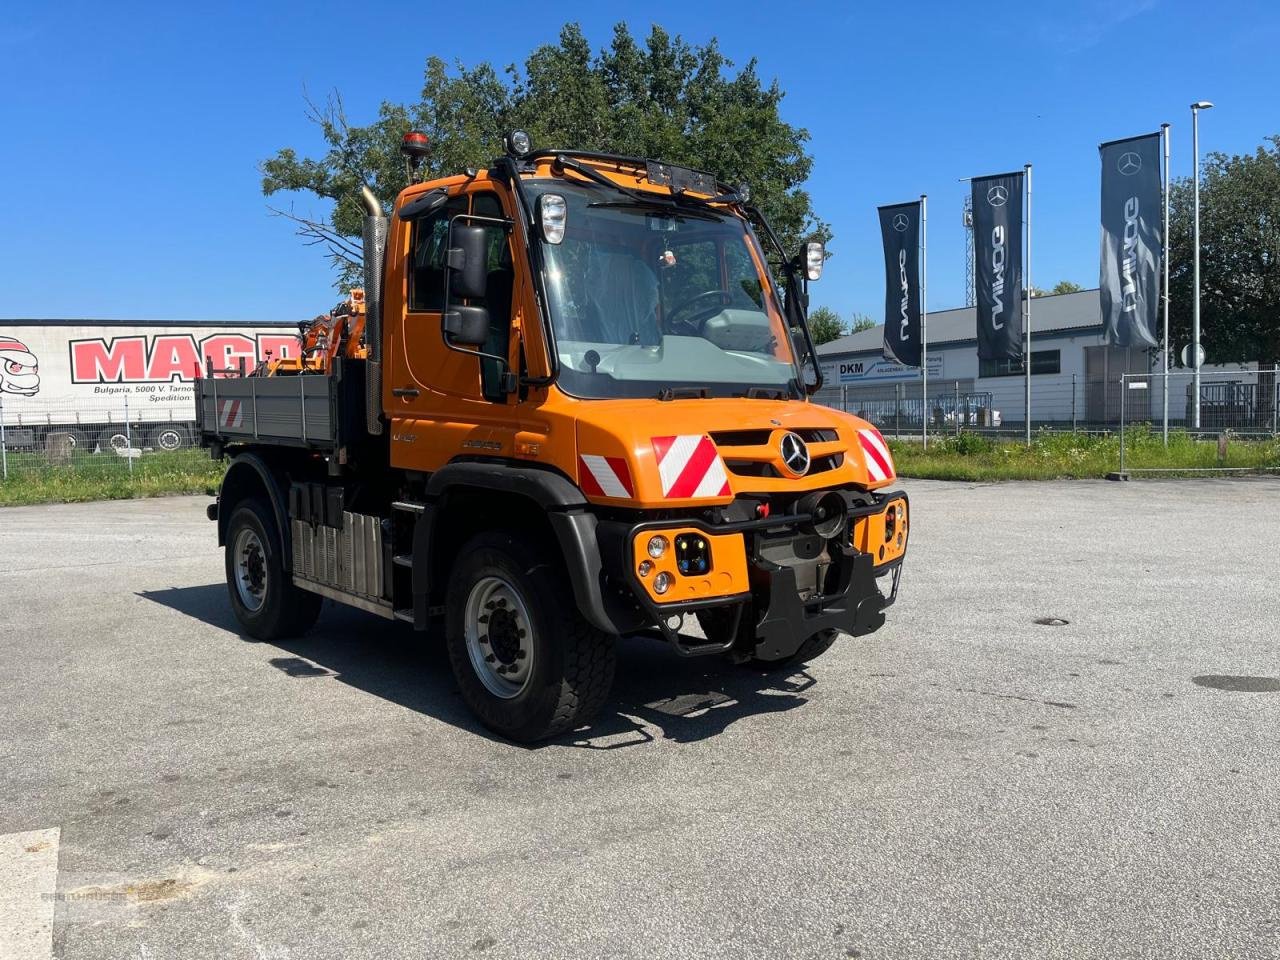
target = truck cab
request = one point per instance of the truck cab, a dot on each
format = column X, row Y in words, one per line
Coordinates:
column 577, row 409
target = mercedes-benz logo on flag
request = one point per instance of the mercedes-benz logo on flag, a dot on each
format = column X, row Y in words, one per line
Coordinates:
column 901, row 222
column 997, row 196
column 795, row 454
column 1129, row 163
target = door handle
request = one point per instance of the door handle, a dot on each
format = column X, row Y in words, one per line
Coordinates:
column 408, row 392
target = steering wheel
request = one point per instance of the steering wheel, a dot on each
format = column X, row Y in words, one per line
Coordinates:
column 698, row 315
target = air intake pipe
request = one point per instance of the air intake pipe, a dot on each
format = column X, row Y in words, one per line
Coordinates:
column 375, row 253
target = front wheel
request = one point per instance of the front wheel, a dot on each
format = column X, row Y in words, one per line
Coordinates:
column 526, row 661
column 264, row 600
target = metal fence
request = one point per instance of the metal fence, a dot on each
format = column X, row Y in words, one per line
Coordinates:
column 1243, row 401
column 108, row 436
column 1238, row 410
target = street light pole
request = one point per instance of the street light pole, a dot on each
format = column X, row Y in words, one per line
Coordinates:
column 924, row 321
column 1164, row 129
column 1195, row 259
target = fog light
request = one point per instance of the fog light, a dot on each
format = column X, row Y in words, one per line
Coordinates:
column 662, row 582
column 657, row 547
column 518, row 143
column 646, row 567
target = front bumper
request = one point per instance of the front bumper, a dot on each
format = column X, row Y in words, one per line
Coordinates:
column 778, row 618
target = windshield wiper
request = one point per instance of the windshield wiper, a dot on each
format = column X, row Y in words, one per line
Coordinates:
column 659, row 205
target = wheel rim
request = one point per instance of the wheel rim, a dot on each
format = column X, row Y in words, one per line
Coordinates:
column 118, row 441
column 250, row 570
column 168, row 440
column 499, row 636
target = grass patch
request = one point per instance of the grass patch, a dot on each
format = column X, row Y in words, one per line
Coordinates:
column 104, row 476
column 1054, row 455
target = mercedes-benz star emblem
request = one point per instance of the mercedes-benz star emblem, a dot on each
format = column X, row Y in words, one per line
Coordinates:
column 1129, row 163
column 795, row 454
column 997, row 196
column 901, row 222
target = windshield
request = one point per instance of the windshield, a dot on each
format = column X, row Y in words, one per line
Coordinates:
column 645, row 298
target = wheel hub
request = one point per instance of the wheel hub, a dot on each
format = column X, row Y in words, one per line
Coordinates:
column 498, row 630
column 250, row 570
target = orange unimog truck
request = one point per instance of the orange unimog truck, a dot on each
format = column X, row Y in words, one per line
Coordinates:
column 569, row 404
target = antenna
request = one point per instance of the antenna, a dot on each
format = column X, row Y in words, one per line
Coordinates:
column 967, row 219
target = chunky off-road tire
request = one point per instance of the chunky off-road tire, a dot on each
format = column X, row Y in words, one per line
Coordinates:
column 526, row 661
column 263, row 598
column 717, row 622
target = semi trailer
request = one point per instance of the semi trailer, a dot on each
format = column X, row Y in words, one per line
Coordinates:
column 570, row 404
column 97, row 384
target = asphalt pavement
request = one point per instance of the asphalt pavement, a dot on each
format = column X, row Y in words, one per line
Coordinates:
column 967, row 782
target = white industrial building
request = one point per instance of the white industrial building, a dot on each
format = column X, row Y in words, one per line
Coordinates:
column 1075, row 375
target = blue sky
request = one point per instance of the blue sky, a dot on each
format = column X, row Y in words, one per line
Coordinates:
column 132, row 132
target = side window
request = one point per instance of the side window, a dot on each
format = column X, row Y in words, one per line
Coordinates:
column 430, row 237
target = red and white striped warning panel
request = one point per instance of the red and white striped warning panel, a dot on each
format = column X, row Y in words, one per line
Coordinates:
column 230, row 413
column 875, row 452
column 690, row 467
column 605, row 476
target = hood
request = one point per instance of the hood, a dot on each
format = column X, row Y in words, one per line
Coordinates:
column 698, row 452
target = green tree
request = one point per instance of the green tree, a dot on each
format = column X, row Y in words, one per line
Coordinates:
column 825, row 325
column 1239, row 257
column 666, row 99
column 859, row 322
column 1065, row 286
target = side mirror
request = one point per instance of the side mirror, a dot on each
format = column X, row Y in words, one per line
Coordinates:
column 468, row 260
column 468, row 326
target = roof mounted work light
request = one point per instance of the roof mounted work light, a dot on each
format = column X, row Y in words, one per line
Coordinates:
column 517, row 143
column 415, row 145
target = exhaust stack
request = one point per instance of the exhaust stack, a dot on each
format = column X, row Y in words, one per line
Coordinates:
column 375, row 252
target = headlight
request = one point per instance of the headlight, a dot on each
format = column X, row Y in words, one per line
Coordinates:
column 662, row 582
column 814, row 255
column 552, row 212
column 646, row 567
column 657, row 547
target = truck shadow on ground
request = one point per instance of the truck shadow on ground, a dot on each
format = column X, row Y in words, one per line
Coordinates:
column 656, row 694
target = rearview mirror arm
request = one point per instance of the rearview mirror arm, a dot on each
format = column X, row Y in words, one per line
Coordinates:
column 511, row 379
column 797, row 306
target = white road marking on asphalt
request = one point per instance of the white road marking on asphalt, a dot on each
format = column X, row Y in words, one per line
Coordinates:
column 28, row 881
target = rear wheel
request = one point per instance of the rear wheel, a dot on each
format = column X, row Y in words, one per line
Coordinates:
column 264, row 600
column 113, row 438
column 526, row 661
column 170, row 436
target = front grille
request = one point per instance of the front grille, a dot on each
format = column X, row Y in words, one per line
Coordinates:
column 761, row 468
column 758, row 438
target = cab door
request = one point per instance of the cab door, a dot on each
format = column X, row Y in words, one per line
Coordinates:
column 443, row 403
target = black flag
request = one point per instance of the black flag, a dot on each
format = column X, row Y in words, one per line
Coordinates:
column 1131, row 240
column 997, row 254
column 900, row 228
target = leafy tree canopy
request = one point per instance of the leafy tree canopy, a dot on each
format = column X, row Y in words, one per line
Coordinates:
column 1239, row 257
column 825, row 325
column 1066, row 286
column 666, row 99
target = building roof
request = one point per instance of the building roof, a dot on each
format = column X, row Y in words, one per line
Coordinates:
column 1064, row 311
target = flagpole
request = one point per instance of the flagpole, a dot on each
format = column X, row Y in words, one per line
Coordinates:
column 924, row 320
column 1027, row 337
column 1164, row 130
